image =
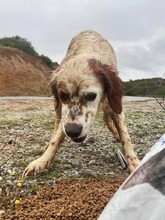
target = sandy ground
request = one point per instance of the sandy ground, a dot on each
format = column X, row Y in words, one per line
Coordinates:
column 67, row 199
column 30, row 104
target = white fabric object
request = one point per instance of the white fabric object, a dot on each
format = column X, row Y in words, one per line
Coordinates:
column 142, row 195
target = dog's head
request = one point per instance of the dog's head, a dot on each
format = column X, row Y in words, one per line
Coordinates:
column 80, row 88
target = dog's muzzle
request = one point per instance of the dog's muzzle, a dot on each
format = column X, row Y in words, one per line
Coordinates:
column 78, row 140
column 73, row 131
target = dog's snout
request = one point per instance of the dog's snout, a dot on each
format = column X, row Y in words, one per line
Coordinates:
column 73, row 130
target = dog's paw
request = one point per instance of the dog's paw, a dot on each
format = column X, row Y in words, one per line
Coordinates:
column 36, row 167
column 132, row 162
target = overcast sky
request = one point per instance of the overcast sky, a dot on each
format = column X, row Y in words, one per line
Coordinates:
column 136, row 29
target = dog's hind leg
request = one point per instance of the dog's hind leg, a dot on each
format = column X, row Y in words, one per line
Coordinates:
column 110, row 125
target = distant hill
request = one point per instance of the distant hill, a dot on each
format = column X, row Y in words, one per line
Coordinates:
column 154, row 87
column 22, row 74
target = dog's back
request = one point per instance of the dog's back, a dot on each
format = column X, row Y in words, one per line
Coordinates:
column 91, row 44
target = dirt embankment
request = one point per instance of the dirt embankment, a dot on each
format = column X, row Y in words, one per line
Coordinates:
column 21, row 74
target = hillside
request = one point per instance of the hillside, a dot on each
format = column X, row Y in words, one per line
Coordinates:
column 22, row 74
column 154, row 87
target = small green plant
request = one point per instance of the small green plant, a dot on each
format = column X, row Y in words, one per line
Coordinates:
column 33, row 188
column 99, row 118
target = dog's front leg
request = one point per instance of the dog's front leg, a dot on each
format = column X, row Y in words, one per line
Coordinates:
column 42, row 162
column 129, row 153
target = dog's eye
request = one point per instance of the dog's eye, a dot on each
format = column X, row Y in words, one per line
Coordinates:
column 64, row 96
column 90, row 96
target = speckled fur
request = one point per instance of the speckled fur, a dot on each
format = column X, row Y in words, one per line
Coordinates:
column 90, row 65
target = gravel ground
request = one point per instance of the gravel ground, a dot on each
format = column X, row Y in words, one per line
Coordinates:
column 90, row 170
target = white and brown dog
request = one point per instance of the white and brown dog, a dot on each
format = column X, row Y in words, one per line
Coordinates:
column 86, row 80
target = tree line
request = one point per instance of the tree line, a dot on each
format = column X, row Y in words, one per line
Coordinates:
column 154, row 87
column 24, row 45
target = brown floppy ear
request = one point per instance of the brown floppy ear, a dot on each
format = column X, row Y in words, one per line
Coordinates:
column 111, row 82
column 53, row 84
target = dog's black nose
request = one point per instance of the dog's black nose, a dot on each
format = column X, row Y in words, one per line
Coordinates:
column 73, row 130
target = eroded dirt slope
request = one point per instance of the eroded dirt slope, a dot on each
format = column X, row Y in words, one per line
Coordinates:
column 21, row 74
